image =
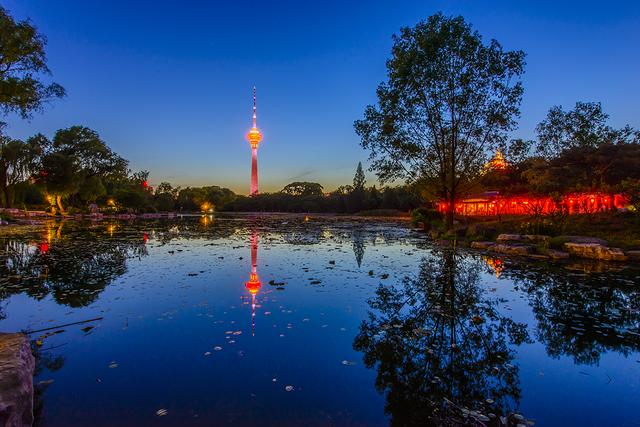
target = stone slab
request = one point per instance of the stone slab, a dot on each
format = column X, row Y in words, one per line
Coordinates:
column 16, row 380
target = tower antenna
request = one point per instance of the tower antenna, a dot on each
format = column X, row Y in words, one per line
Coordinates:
column 254, row 106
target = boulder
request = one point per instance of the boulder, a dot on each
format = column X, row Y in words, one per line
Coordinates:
column 537, row 238
column 522, row 250
column 595, row 251
column 554, row 254
column 583, row 239
column 482, row 245
column 16, row 380
column 510, row 238
column 528, row 238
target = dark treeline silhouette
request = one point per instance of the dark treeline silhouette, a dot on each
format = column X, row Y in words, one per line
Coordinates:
column 342, row 200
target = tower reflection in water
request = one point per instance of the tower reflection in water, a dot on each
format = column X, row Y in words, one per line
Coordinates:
column 254, row 284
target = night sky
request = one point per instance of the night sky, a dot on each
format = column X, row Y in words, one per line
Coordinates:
column 168, row 84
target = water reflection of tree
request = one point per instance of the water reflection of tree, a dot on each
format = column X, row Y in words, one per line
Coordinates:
column 581, row 315
column 441, row 348
column 358, row 246
column 73, row 269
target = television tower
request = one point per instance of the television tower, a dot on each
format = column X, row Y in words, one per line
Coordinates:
column 254, row 136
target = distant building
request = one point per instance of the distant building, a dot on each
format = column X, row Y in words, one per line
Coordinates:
column 492, row 203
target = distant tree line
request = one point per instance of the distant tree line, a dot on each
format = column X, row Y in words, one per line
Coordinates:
column 309, row 197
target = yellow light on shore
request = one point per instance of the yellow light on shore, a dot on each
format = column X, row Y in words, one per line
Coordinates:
column 206, row 207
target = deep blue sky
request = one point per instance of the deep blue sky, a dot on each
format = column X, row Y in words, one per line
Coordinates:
column 168, row 84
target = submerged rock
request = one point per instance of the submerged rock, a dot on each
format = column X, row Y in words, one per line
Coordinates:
column 595, row 251
column 16, row 380
column 512, row 249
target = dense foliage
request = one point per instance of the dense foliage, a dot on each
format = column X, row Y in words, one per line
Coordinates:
column 448, row 99
column 576, row 151
column 23, row 63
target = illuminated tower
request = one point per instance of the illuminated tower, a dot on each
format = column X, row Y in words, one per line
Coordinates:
column 253, row 285
column 254, row 136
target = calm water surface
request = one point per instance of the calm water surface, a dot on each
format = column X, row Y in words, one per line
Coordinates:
column 281, row 321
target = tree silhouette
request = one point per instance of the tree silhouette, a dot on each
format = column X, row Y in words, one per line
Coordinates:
column 358, row 246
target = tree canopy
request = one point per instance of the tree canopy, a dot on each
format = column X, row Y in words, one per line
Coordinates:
column 303, row 189
column 80, row 163
column 23, row 63
column 448, row 98
column 583, row 127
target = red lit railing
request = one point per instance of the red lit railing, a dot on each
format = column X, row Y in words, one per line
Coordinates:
column 495, row 205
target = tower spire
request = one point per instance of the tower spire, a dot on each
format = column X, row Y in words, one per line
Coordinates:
column 254, row 106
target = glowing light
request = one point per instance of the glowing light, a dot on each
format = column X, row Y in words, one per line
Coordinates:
column 111, row 202
column 495, row 264
column 519, row 205
column 44, row 247
column 497, row 162
column 306, row 219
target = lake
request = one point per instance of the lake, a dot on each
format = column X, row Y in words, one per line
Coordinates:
column 287, row 320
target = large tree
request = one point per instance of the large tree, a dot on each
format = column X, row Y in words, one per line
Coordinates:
column 23, row 63
column 449, row 99
column 79, row 162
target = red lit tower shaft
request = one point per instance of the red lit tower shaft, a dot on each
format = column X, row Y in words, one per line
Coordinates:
column 254, row 136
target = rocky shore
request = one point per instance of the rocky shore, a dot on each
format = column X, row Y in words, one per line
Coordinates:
column 36, row 217
column 537, row 246
column 16, row 380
